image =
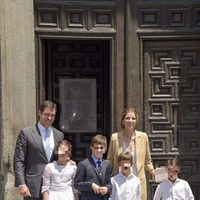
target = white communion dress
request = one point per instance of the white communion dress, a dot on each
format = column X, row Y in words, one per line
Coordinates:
column 58, row 180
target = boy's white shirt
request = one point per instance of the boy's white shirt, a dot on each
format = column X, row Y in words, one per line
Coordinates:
column 124, row 188
column 167, row 190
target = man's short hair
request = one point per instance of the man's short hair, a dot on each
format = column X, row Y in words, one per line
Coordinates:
column 46, row 104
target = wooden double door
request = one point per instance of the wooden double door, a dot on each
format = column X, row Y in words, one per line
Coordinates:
column 172, row 104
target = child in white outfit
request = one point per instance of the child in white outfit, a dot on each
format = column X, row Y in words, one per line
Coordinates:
column 125, row 185
column 173, row 187
column 59, row 175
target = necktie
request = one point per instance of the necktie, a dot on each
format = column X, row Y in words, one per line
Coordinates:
column 99, row 167
column 47, row 143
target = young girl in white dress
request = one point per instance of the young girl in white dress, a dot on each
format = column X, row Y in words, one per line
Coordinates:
column 59, row 175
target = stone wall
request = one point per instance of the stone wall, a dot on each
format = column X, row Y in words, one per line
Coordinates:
column 17, row 83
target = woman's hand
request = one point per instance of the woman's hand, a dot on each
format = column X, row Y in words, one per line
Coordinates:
column 152, row 172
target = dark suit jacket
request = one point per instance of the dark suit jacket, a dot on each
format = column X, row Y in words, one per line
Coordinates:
column 87, row 174
column 30, row 158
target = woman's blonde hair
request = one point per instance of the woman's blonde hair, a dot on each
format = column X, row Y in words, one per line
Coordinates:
column 127, row 110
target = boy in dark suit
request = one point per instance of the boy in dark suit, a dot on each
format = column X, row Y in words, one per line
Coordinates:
column 93, row 174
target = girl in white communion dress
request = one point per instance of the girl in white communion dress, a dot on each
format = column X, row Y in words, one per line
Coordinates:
column 59, row 175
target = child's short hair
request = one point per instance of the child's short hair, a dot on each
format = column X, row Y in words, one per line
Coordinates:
column 99, row 139
column 125, row 156
column 58, row 144
column 173, row 162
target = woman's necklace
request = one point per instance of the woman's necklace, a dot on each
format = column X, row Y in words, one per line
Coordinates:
column 130, row 141
column 128, row 137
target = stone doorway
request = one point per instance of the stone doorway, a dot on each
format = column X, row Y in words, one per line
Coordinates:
column 77, row 77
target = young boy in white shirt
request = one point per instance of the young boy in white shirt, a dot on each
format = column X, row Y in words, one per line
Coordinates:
column 173, row 187
column 125, row 185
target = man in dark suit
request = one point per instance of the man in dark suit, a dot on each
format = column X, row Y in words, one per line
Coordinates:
column 33, row 151
column 93, row 174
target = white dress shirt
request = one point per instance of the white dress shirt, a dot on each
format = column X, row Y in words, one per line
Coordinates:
column 179, row 190
column 125, row 188
column 42, row 132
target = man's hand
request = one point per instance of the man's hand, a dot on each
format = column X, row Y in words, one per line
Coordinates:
column 24, row 191
column 95, row 188
column 72, row 162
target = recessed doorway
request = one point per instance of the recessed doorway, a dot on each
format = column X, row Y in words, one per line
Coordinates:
column 77, row 77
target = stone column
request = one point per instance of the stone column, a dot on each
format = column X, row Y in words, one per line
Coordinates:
column 17, row 83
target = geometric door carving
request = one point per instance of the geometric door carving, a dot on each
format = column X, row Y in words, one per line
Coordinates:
column 172, row 105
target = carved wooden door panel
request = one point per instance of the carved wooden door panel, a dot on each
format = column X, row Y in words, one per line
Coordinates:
column 80, row 60
column 172, row 105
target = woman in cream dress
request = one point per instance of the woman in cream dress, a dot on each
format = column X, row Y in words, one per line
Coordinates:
column 137, row 143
